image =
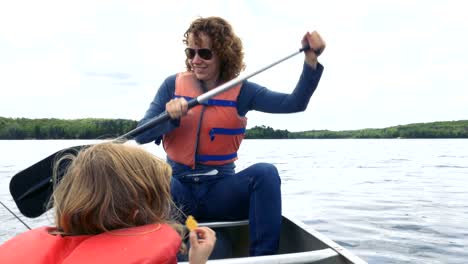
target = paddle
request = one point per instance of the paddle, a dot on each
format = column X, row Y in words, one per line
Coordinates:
column 32, row 188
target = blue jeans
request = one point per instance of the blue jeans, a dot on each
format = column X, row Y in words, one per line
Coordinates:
column 253, row 193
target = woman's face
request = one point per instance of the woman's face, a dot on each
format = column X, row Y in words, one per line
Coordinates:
column 204, row 66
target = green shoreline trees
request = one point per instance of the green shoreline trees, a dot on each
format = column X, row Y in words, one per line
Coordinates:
column 446, row 129
column 51, row 128
column 99, row 128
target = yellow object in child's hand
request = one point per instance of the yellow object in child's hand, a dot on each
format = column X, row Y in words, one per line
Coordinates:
column 191, row 223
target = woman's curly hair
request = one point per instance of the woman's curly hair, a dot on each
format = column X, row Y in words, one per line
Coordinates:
column 226, row 45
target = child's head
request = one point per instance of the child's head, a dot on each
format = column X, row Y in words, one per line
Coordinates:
column 109, row 186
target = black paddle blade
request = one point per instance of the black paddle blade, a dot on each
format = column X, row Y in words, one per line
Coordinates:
column 32, row 188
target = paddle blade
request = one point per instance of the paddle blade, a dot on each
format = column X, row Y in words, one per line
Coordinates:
column 32, row 188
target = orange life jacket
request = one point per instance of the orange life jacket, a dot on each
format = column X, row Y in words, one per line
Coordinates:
column 210, row 133
column 143, row 244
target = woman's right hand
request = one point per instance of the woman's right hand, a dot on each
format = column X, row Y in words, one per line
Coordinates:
column 176, row 108
column 202, row 241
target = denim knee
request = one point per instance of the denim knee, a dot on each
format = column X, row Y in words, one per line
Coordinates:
column 265, row 172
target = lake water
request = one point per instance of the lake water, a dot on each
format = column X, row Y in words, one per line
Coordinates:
column 388, row 201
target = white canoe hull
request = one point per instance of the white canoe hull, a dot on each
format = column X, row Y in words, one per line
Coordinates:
column 298, row 244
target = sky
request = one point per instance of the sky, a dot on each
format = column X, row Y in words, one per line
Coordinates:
column 386, row 63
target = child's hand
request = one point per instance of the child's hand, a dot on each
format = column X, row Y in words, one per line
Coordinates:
column 202, row 241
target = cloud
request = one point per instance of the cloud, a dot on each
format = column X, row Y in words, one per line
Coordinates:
column 385, row 63
column 112, row 75
column 127, row 83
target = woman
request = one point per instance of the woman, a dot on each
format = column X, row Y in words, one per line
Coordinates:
column 112, row 206
column 202, row 143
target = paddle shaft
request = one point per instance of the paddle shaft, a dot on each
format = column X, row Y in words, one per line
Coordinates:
column 163, row 117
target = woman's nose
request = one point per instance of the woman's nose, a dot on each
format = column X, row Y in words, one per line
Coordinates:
column 196, row 59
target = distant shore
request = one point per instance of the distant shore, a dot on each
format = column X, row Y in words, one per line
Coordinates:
column 96, row 128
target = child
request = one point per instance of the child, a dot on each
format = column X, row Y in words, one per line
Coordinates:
column 113, row 205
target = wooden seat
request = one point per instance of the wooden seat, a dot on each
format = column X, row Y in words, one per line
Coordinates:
column 225, row 224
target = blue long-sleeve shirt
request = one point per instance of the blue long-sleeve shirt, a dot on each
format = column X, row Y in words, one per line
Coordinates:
column 251, row 97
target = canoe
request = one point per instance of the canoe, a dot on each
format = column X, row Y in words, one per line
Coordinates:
column 298, row 244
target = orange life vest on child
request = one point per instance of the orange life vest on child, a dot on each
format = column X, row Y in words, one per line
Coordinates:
column 143, row 244
column 209, row 134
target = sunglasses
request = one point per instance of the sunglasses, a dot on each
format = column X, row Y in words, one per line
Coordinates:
column 205, row 54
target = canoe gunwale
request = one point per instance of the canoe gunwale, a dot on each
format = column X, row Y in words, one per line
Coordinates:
column 291, row 258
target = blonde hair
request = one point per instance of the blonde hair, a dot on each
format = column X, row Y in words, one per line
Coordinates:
column 110, row 186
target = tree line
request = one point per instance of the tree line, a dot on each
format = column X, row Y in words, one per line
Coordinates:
column 99, row 128
column 446, row 129
column 52, row 128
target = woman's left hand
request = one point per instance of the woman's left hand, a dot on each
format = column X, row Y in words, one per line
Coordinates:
column 317, row 46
